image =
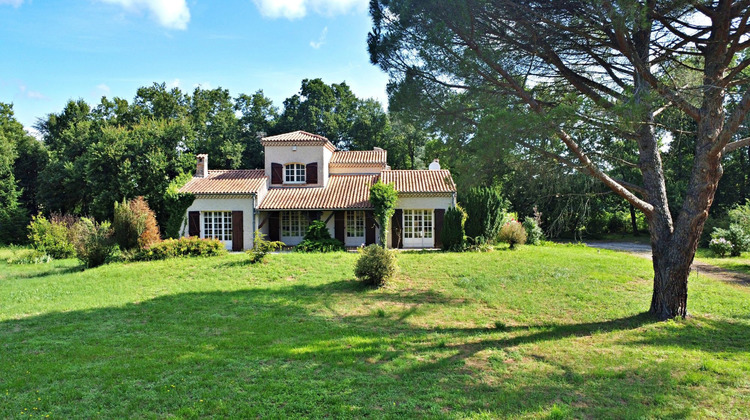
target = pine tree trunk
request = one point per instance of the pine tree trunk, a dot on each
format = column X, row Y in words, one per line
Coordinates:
column 671, row 271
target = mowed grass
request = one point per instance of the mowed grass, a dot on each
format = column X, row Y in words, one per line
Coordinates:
column 740, row 264
column 542, row 332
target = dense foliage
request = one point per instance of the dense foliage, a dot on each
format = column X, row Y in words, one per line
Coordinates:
column 375, row 265
column 453, row 233
column 93, row 241
column 485, row 211
column 534, row 233
column 134, row 225
column 512, row 233
column 318, row 239
column 52, row 237
column 183, row 247
column 383, row 197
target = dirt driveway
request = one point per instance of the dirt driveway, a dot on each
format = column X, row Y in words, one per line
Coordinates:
column 701, row 268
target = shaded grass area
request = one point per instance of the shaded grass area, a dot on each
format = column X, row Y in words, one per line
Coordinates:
column 554, row 331
column 740, row 264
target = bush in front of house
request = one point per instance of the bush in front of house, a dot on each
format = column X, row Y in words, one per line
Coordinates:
column 192, row 246
column 52, row 237
column 375, row 266
column 453, row 232
column 534, row 233
column 135, row 225
column 261, row 247
column 92, row 241
column 512, row 233
column 318, row 239
column 485, row 210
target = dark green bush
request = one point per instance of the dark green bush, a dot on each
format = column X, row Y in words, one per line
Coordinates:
column 596, row 226
column 52, row 237
column 375, row 266
column 135, row 225
column 183, row 247
column 512, row 233
column 261, row 247
column 92, row 241
column 534, row 233
column 617, row 224
column 485, row 209
column 318, row 239
column 453, row 232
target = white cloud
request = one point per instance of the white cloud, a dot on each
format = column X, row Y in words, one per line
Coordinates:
column 321, row 39
column 295, row 9
column 173, row 14
column 14, row 3
column 103, row 89
column 174, row 84
column 31, row 94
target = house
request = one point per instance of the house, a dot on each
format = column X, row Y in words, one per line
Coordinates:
column 306, row 178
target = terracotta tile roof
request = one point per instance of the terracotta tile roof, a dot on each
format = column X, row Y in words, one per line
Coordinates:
column 359, row 158
column 227, row 182
column 342, row 192
column 299, row 137
column 420, row 181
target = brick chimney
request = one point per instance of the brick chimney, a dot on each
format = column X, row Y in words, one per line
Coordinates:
column 201, row 170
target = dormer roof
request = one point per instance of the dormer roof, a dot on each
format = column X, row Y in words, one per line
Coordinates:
column 297, row 138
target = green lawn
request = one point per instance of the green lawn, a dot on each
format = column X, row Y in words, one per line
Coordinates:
column 551, row 332
column 741, row 263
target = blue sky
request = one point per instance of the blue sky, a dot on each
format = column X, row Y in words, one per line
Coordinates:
column 53, row 51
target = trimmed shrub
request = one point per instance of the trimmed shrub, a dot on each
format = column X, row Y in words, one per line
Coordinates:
column 485, row 211
column 184, row 247
column 375, row 266
column 135, row 225
column 720, row 246
column 453, row 233
column 261, row 247
column 383, row 197
column 52, row 237
column 318, row 239
column 534, row 233
column 512, row 233
column 92, row 241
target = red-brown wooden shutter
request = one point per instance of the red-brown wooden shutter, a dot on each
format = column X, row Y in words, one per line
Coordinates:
column 277, row 173
column 396, row 229
column 311, row 173
column 194, row 223
column 237, row 231
column 439, row 216
column 274, row 227
column 339, row 226
column 369, row 228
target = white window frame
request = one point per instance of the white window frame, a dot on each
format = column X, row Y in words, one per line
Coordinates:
column 295, row 173
column 217, row 225
column 293, row 224
column 415, row 223
column 355, row 224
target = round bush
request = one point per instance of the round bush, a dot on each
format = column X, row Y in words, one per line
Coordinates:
column 720, row 246
column 375, row 266
column 51, row 237
column 512, row 233
column 534, row 234
column 92, row 241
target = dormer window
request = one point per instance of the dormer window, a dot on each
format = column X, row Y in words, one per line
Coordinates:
column 294, row 173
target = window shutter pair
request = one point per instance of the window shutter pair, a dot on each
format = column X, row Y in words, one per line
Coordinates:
column 277, row 173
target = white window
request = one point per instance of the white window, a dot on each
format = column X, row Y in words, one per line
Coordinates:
column 355, row 224
column 417, row 224
column 294, row 173
column 293, row 223
column 217, row 225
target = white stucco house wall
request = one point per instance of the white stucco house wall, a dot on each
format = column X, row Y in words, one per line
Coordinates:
column 306, row 178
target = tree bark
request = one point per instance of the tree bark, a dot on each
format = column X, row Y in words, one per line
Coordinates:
column 671, row 271
column 633, row 220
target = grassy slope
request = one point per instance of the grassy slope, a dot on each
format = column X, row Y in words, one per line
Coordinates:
column 741, row 263
column 540, row 332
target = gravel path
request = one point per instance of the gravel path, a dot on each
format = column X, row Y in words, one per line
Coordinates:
column 644, row 251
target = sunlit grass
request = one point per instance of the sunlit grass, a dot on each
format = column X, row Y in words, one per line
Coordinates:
column 553, row 331
column 741, row 263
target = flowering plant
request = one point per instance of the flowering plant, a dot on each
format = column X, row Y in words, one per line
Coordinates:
column 720, row 246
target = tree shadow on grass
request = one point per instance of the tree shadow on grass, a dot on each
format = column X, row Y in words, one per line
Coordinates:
column 280, row 352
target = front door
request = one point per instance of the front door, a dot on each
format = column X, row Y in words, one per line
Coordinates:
column 418, row 229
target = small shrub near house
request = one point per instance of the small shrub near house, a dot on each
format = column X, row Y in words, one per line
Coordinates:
column 318, row 239
column 182, row 247
column 52, row 237
column 534, row 233
column 93, row 242
column 485, row 210
column 134, row 224
column 453, row 233
column 512, row 233
column 375, row 266
column 261, row 247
